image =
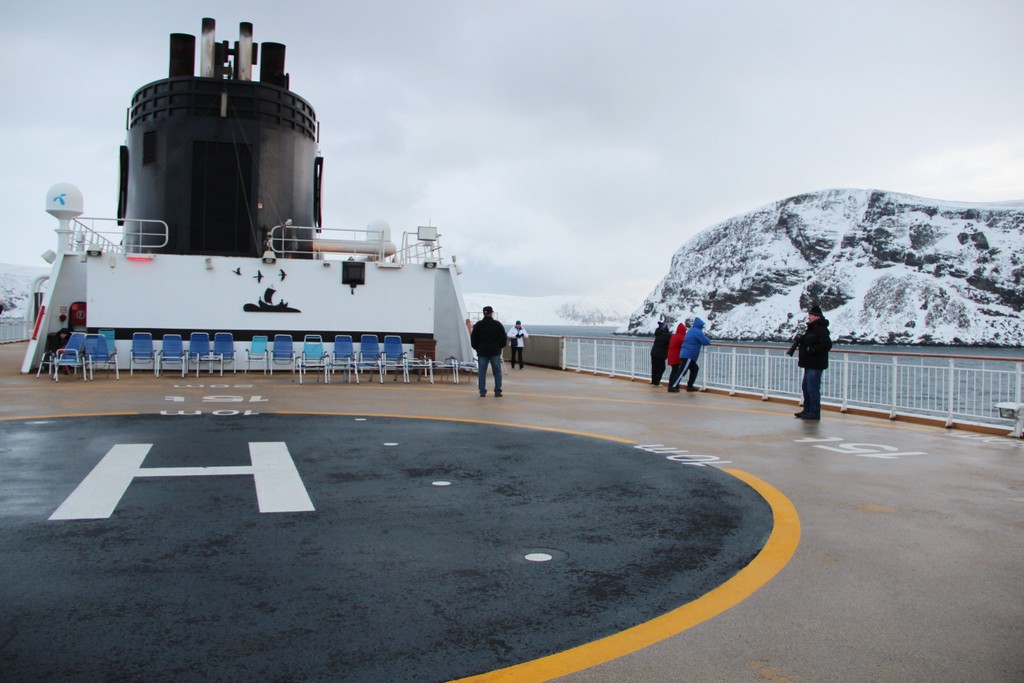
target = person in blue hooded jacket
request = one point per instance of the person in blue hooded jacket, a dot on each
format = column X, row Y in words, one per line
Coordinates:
column 695, row 340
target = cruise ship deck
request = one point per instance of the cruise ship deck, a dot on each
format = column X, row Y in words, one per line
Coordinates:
column 579, row 528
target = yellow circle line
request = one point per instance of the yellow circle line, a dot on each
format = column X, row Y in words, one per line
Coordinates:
column 775, row 554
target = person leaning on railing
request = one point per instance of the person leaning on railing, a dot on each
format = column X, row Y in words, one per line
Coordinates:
column 813, row 345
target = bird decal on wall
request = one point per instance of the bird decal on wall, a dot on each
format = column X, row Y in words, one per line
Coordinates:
column 258, row 276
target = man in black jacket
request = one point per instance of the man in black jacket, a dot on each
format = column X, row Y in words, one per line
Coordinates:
column 488, row 339
column 659, row 352
column 814, row 345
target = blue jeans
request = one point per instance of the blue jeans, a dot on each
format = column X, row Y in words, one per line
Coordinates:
column 481, row 380
column 812, row 392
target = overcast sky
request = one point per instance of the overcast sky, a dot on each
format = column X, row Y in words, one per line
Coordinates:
column 561, row 147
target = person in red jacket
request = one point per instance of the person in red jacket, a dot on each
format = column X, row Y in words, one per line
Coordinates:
column 675, row 344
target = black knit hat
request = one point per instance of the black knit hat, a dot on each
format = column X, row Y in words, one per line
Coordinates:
column 815, row 310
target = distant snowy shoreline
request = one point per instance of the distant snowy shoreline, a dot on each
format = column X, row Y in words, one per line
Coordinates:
column 553, row 310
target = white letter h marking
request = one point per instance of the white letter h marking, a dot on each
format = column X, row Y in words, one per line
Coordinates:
column 279, row 487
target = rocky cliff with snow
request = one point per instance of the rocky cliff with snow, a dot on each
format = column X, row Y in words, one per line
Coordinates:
column 886, row 268
column 16, row 287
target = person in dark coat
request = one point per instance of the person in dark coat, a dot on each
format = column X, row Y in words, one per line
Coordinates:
column 659, row 352
column 814, row 345
column 675, row 344
column 488, row 339
column 690, row 352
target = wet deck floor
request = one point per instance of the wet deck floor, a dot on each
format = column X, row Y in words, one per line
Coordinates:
column 582, row 527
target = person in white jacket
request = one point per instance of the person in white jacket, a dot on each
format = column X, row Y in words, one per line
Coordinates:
column 517, row 341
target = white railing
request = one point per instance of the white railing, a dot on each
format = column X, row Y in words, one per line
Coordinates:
column 128, row 235
column 374, row 244
column 947, row 388
column 13, row 330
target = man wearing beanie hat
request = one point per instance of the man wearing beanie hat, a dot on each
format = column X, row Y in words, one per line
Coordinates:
column 814, row 345
column 488, row 339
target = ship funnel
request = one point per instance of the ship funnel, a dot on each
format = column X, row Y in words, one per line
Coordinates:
column 258, row 146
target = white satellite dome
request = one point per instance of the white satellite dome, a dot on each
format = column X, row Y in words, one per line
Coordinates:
column 382, row 226
column 64, row 201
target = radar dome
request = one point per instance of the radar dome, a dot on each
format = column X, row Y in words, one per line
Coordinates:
column 64, row 201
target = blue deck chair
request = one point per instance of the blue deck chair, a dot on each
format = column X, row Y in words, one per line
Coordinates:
column 393, row 357
column 172, row 352
column 111, row 343
column 98, row 355
column 344, row 358
column 199, row 352
column 313, row 357
column 258, row 352
column 141, row 352
column 224, row 348
column 370, row 355
column 282, row 352
column 70, row 358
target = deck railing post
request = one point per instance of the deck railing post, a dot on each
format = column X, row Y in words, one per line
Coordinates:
column 895, row 386
column 1020, row 382
column 952, row 392
column 845, row 403
column 767, row 374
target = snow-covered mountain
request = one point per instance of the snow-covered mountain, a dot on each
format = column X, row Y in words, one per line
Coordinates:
column 886, row 268
column 553, row 310
column 15, row 286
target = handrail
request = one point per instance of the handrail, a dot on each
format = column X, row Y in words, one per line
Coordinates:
column 941, row 387
column 14, row 330
column 372, row 244
column 132, row 235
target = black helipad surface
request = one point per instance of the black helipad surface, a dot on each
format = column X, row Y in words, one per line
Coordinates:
column 434, row 550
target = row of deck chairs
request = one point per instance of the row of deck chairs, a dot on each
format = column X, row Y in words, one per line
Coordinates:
column 371, row 357
column 175, row 354
column 87, row 352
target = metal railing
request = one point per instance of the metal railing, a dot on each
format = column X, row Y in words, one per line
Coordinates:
column 946, row 388
column 127, row 235
column 373, row 244
column 13, row 330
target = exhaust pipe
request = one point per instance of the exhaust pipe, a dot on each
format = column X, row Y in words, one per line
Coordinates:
column 208, row 49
